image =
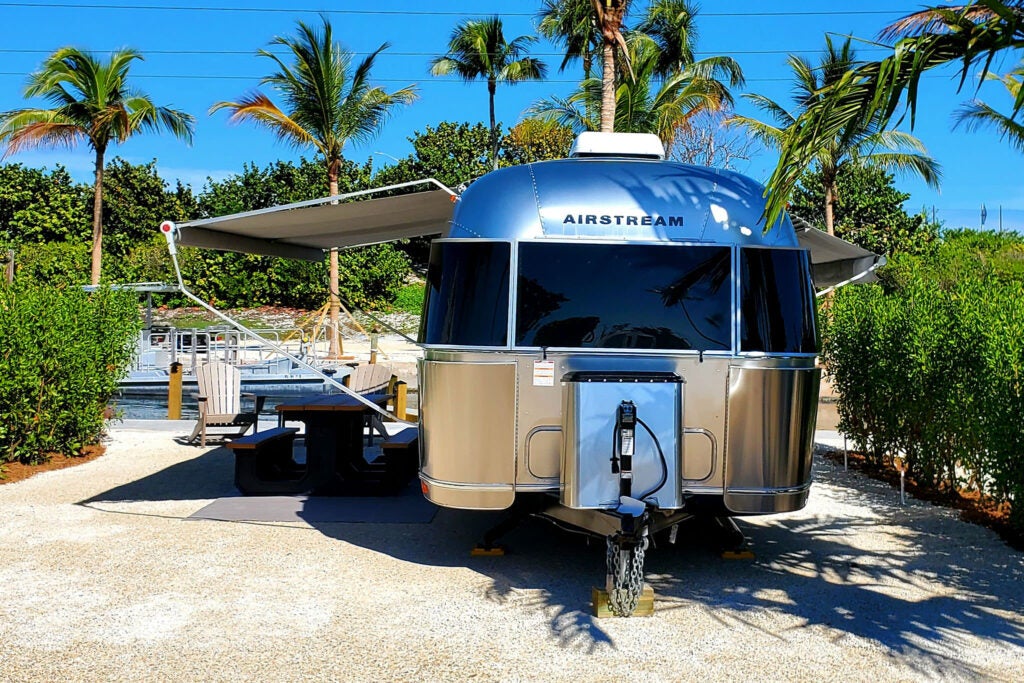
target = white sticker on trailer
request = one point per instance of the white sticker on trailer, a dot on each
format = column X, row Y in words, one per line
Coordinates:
column 543, row 373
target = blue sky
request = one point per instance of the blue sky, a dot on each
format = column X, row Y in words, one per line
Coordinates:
column 201, row 51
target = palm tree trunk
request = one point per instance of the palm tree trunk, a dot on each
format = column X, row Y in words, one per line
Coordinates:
column 97, row 219
column 608, row 89
column 333, row 335
column 491, row 88
column 588, row 67
column 830, row 199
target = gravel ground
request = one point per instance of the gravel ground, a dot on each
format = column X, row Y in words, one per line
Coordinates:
column 104, row 579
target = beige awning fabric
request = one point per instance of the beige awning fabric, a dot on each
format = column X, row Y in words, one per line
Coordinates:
column 836, row 262
column 304, row 230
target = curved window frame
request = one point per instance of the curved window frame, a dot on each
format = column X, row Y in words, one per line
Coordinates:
column 812, row 302
column 511, row 244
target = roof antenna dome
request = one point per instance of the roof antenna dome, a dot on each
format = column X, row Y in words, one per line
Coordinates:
column 618, row 146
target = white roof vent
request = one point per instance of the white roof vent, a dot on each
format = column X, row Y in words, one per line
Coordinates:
column 622, row 145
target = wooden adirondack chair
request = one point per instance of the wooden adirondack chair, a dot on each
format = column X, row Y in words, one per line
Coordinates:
column 220, row 402
column 370, row 378
column 373, row 378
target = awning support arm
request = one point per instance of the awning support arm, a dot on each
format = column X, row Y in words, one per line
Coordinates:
column 168, row 229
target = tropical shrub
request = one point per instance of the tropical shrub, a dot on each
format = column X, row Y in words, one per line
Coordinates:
column 929, row 365
column 62, row 352
column 55, row 264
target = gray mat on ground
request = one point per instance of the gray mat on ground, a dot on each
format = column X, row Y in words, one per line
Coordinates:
column 409, row 507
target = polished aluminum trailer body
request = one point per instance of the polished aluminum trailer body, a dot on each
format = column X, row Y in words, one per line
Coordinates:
column 504, row 335
column 612, row 341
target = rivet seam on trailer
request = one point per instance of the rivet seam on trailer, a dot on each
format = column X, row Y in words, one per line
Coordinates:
column 707, row 213
column 536, row 197
column 466, row 228
column 515, row 435
column 725, row 430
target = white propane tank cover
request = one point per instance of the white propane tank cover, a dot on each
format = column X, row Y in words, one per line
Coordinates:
column 629, row 145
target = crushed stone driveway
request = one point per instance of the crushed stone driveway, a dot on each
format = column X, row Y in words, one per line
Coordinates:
column 105, row 579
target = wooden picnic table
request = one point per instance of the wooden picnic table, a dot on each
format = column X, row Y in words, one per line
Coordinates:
column 335, row 460
column 334, row 441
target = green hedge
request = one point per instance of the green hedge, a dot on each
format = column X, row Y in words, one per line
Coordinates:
column 62, row 352
column 929, row 365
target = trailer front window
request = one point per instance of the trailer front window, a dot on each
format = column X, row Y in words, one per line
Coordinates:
column 467, row 294
column 624, row 296
column 777, row 299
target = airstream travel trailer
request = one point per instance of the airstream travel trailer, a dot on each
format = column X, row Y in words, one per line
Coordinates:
column 613, row 337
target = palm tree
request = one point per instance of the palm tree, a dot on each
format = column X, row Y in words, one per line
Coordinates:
column 868, row 144
column 573, row 24
column 92, row 101
column 672, row 25
column 327, row 104
column 647, row 103
column 969, row 35
column 977, row 114
column 671, row 28
column 478, row 49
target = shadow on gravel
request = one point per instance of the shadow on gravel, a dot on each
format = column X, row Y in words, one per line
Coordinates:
column 546, row 570
column 947, row 580
column 208, row 475
column 919, row 602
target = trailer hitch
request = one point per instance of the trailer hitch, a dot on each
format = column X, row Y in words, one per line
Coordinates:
column 625, row 557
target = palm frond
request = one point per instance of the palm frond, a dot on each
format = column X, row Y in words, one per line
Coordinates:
column 26, row 129
column 259, row 109
column 442, row 66
column 976, row 115
column 920, row 165
column 571, row 24
column 144, row 115
column 890, row 140
column 779, row 113
column 525, row 69
column 564, row 111
column 768, row 135
column 672, row 25
column 874, row 90
column 947, row 19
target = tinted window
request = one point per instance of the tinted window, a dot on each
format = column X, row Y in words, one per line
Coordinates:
column 623, row 296
column 467, row 294
column 778, row 301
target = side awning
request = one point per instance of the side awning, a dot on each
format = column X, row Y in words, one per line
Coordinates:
column 836, row 262
column 304, row 230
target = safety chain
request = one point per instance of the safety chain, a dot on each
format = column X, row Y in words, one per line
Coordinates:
column 625, row 574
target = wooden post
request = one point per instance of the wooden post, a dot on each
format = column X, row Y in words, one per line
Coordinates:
column 373, row 348
column 9, row 269
column 174, row 393
column 401, row 395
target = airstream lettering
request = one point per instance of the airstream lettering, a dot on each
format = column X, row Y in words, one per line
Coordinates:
column 606, row 219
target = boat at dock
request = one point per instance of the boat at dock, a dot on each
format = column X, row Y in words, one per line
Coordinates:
column 262, row 370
